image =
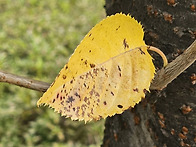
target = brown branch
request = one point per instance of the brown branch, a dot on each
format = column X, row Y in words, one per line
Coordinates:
column 23, row 82
column 175, row 68
column 162, row 78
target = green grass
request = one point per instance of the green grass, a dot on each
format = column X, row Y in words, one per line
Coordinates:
column 36, row 39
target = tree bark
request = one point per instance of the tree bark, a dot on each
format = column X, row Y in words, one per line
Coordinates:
column 164, row 118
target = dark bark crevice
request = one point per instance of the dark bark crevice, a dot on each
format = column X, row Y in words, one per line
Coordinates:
column 163, row 117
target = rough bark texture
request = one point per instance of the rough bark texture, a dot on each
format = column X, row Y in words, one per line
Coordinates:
column 164, row 118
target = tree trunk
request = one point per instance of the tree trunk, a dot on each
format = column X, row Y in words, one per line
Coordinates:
column 164, row 118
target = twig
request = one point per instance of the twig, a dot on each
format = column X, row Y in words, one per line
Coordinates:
column 162, row 78
column 175, row 68
column 23, row 82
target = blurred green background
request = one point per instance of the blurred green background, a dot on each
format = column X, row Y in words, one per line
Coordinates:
column 36, row 39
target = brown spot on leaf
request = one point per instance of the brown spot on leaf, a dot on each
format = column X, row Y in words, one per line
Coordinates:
column 125, row 44
column 85, row 99
column 95, row 71
column 120, row 106
column 63, row 85
column 76, row 94
column 112, row 93
column 83, row 107
column 104, row 103
column 136, row 90
column 119, row 68
column 57, row 96
column 145, row 91
column 89, row 34
column 53, row 101
column 64, row 77
column 97, row 94
column 84, row 85
column 142, row 52
column 62, row 103
column 66, row 67
column 117, row 28
column 89, row 51
column 70, row 99
column 71, row 81
column 85, row 62
column 92, row 65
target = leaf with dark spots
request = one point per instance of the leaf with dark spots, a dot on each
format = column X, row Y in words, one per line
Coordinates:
column 105, row 75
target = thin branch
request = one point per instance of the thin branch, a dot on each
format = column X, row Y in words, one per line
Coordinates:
column 162, row 78
column 175, row 68
column 23, row 82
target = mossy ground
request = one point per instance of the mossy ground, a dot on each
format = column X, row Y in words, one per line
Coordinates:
column 36, row 39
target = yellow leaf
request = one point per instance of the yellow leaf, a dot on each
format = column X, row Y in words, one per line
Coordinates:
column 109, row 72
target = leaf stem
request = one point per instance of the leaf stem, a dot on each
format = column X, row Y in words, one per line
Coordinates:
column 152, row 48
